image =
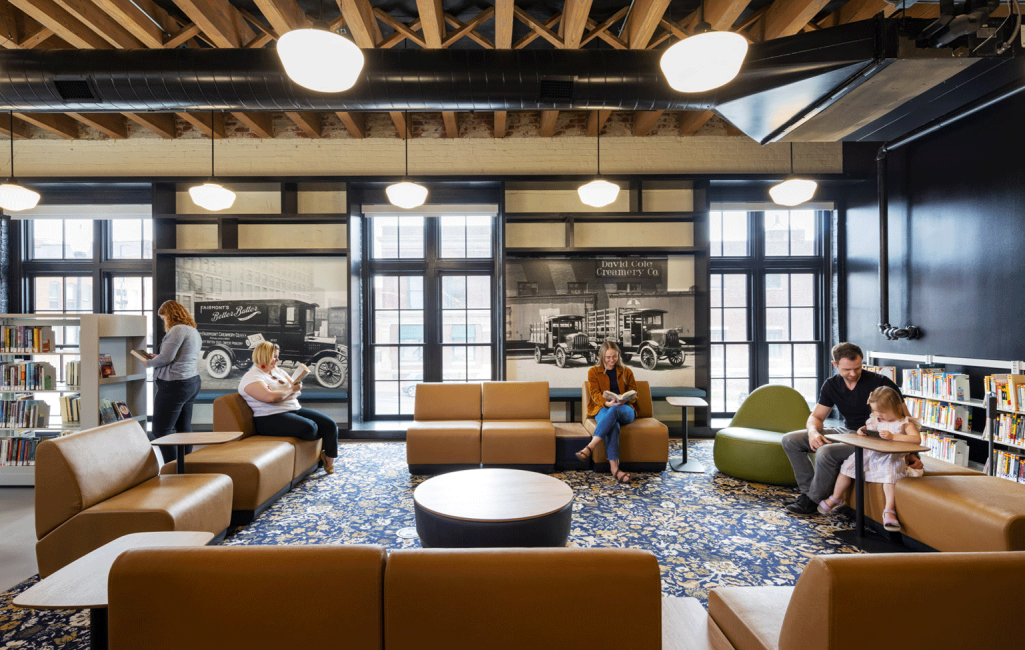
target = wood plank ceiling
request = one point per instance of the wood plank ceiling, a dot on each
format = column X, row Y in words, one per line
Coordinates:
column 503, row 24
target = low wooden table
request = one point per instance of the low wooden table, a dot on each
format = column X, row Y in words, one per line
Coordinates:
column 83, row 583
column 492, row 507
column 183, row 440
column 683, row 465
column 860, row 443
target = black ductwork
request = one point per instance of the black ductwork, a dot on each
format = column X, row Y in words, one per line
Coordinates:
column 191, row 79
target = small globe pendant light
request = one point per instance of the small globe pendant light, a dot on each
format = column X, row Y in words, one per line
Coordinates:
column 14, row 197
column 211, row 196
column 406, row 194
column 704, row 61
column 320, row 59
column 793, row 191
column 598, row 193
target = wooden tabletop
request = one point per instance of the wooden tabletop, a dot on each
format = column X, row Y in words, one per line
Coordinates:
column 197, row 438
column 493, row 495
column 876, row 444
column 686, row 401
column 83, row 583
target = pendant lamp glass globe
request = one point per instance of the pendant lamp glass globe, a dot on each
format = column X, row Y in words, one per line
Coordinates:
column 320, row 60
column 406, row 195
column 793, row 191
column 212, row 196
column 14, row 197
column 598, row 193
column 704, row 61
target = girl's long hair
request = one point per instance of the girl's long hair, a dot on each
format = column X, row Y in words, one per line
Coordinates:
column 887, row 400
column 176, row 314
column 605, row 347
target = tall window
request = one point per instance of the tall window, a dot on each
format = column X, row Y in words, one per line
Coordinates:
column 768, row 284
column 431, row 287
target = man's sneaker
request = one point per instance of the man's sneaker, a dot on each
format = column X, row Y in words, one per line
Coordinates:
column 792, row 500
column 803, row 506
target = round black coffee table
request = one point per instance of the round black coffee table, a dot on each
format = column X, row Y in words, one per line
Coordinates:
column 492, row 507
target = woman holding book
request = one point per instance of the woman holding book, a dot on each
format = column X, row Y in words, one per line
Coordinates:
column 175, row 373
column 274, row 397
column 608, row 383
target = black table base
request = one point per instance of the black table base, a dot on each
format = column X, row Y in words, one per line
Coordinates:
column 437, row 531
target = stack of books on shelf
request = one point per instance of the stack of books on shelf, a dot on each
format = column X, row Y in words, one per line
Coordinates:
column 20, row 450
column 1010, row 466
column 1009, row 389
column 948, row 416
column 113, row 411
column 73, row 373
column 933, row 382
column 20, row 412
column 952, row 450
column 26, row 339
column 1010, row 430
column 29, row 375
column 71, row 406
column 890, row 372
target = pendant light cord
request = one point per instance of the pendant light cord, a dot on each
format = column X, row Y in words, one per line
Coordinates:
column 406, row 138
column 598, row 144
column 791, row 158
column 211, row 145
column 12, row 145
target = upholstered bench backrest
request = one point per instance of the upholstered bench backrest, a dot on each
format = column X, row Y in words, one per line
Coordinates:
column 78, row 471
column 516, row 400
column 231, row 413
column 456, row 401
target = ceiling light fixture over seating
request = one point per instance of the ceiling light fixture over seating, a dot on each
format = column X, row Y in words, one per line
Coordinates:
column 793, row 191
column 406, row 194
column 598, row 193
column 14, row 197
column 210, row 195
column 704, row 61
column 319, row 59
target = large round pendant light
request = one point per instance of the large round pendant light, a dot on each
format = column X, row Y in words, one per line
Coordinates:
column 598, row 193
column 210, row 195
column 704, row 61
column 319, row 59
column 14, row 197
column 793, row 191
column 406, row 194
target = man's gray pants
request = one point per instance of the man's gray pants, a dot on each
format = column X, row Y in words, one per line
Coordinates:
column 815, row 481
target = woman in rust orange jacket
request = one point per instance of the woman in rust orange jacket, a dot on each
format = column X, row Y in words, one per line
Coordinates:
column 609, row 374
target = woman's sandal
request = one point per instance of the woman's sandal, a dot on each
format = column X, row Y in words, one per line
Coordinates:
column 890, row 522
column 622, row 476
column 323, row 459
column 584, row 454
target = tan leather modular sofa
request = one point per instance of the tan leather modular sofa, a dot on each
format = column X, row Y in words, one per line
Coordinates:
column 516, row 429
column 262, row 468
column 883, row 602
column 362, row 598
column 643, row 444
column 99, row 484
column 445, row 433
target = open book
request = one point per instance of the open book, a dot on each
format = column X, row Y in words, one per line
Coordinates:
column 300, row 371
column 625, row 397
column 140, row 355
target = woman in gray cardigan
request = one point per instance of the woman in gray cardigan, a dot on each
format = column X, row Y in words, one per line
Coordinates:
column 176, row 373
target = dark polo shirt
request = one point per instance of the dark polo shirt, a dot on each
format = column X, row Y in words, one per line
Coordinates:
column 853, row 404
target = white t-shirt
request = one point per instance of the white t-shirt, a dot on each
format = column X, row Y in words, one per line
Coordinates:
column 260, row 409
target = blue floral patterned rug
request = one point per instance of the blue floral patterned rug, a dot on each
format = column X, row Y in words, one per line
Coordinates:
column 707, row 530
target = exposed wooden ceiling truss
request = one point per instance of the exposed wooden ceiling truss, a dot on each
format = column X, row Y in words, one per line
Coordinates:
column 641, row 24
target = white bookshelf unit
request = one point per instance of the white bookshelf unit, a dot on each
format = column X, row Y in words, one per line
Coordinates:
column 111, row 334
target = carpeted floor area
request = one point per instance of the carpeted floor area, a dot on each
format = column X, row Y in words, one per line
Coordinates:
column 707, row 530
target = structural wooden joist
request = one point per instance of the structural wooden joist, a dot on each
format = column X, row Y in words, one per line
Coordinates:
column 12, row 127
column 642, row 21
column 54, row 123
column 359, row 17
column 202, row 122
column 355, row 123
column 310, row 123
column 548, row 119
column 144, row 19
column 692, row 121
column 113, row 125
column 219, row 20
column 602, row 30
column 262, row 124
column 398, row 118
column 283, row 15
column 109, row 29
column 596, row 121
column 62, row 23
column 788, row 17
column 160, row 123
column 468, row 30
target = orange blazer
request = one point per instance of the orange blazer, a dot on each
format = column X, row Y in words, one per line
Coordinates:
column 598, row 383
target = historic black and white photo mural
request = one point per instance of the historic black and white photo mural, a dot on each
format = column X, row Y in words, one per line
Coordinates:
column 558, row 311
column 300, row 304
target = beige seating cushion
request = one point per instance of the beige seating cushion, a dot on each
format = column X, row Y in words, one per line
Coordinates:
column 517, row 442
column 166, row 502
column 443, row 442
column 259, row 468
column 511, row 599
column 643, row 440
column 231, row 413
column 447, row 402
column 232, row 597
column 750, row 617
column 515, row 400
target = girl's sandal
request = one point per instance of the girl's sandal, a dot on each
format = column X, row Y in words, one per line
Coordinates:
column 622, row 476
column 584, row 454
column 890, row 522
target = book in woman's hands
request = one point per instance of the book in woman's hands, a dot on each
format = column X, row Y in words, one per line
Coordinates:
column 301, row 371
column 625, row 397
column 138, row 354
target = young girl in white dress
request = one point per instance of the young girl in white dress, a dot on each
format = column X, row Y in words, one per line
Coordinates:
column 888, row 419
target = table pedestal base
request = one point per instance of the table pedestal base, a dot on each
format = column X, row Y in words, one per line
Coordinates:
column 870, row 542
column 98, row 628
column 684, row 465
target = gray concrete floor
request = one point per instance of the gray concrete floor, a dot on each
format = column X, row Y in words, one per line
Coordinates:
column 17, row 536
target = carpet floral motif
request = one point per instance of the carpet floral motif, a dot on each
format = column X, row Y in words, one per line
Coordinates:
column 707, row 530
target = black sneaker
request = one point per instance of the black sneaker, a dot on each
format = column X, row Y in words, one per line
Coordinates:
column 792, row 500
column 803, row 506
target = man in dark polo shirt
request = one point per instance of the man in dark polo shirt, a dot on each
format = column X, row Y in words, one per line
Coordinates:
column 848, row 391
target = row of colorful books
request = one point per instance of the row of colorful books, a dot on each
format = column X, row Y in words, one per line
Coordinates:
column 1010, row 429
column 114, row 411
column 29, row 375
column 948, row 416
column 942, row 385
column 21, row 450
column 26, row 339
column 890, row 372
column 1009, row 390
column 1010, row 466
column 17, row 413
column 952, row 450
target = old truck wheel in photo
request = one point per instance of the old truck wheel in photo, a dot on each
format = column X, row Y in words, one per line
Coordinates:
column 330, row 372
column 677, row 359
column 218, row 364
column 560, row 357
column 537, row 353
column 626, row 357
column 648, row 358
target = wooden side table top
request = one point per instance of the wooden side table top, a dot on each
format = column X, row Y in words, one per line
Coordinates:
column 686, row 401
column 876, row 444
column 83, row 583
column 493, row 495
column 197, row 438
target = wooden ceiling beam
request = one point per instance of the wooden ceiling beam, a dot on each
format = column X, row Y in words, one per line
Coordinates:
column 219, row 20
column 433, row 21
column 531, row 36
column 97, row 20
column 35, row 39
column 596, row 121
column 201, row 121
column 160, row 123
column 189, row 31
column 604, row 35
column 540, row 28
column 645, row 121
column 597, row 29
column 720, row 14
column 548, row 119
column 462, row 29
column 359, row 17
column 504, row 24
column 399, row 27
column 397, row 37
column 55, row 123
column 283, row 15
column 501, row 118
column 355, row 123
column 642, row 21
column 21, row 131
column 310, row 123
column 262, row 124
column 788, row 17
column 11, row 34
column 451, row 120
column 692, row 121
column 399, row 119
column 574, row 22
column 49, row 14
column 110, row 124
column 144, row 19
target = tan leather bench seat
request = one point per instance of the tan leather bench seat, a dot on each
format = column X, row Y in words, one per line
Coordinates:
column 445, row 433
column 231, row 413
column 643, row 444
column 516, row 427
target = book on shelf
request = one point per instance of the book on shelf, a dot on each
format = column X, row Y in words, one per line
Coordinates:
column 23, row 412
column 73, row 373
column 1010, row 429
column 122, row 410
column 1009, row 391
column 625, row 397
column 26, row 339
column 18, row 450
column 932, row 413
column 942, row 385
column 890, row 372
column 28, row 375
column 1009, row 466
column 70, row 405
column 106, row 366
column 952, row 450
column 140, row 355
column 108, row 413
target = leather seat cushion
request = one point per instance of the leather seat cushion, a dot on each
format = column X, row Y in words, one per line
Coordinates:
column 750, row 617
column 875, row 499
column 963, row 513
column 443, row 442
column 515, row 400
column 753, row 455
column 645, row 440
column 517, row 442
column 435, row 401
column 259, row 467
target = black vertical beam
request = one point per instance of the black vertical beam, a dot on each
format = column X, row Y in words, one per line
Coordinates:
column 101, row 250
column 165, row 237
column 5, row 264
column 432, row 301
column 289, row 198
column 227, row 233
column 702, row 303
column 498, row 290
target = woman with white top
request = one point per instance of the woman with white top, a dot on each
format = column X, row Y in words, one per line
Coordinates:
column 269, row 391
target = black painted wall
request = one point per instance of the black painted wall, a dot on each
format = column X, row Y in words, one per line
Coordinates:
column 957, row 241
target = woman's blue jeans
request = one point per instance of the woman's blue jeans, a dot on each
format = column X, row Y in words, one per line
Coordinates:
column 609, row 419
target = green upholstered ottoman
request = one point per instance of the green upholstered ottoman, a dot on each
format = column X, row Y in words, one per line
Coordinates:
column 753, row 455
